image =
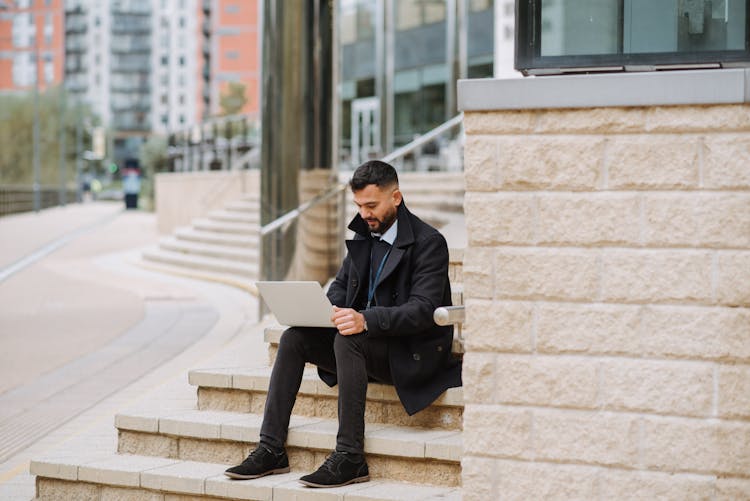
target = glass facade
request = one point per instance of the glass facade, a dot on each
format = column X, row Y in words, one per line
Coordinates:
column 570, row 33
column 399, row 61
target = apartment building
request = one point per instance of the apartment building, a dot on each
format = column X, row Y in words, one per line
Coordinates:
column 31, row 44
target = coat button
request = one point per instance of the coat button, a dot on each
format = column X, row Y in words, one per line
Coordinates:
column 440, row 348
column 417, row 357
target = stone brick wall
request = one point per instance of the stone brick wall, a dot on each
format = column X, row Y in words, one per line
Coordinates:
column 607, row 286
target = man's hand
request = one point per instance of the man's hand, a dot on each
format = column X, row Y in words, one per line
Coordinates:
column 348, row 321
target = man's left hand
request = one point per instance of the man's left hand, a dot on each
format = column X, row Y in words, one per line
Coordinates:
column 348, row 321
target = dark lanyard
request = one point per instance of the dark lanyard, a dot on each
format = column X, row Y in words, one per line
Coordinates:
column 374, row 281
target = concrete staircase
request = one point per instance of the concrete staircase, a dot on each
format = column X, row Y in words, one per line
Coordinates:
column 180, row 455
column 223, row 245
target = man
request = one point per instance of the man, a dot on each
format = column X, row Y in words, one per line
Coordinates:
column 391, row 281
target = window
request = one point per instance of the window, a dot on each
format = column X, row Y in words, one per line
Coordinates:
column 182, row 60
column 564, row 35
column 165, row 60
column 232, row 54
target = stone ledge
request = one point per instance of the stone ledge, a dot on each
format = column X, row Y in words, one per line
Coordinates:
column 312, row 433
column 199, row 480
column 690, row 87
column 258, row 379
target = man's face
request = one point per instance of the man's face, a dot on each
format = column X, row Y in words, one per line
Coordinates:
column 378, row 206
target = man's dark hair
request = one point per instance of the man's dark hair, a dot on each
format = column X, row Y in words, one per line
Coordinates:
column 374, row 172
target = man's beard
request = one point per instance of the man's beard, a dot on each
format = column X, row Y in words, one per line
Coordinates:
column 382, row 224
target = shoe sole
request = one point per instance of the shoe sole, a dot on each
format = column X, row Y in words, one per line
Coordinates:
column 357, row 480
column 250, row 477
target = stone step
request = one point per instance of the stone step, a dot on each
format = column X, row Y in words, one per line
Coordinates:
column 245, row 205
column 243, row 217
column 204, row 224
column 209, row 237
column 419, row 455
column 209, row 250
column 244, row 390
column 201, row 263
column 124, row 476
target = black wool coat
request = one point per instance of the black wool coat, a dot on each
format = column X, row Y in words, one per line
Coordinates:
column 414, row 282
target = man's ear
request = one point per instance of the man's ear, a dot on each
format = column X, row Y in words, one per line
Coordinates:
column 397, row 197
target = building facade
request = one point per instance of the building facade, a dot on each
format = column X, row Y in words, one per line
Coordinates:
column 399, row 63
column 31, row 44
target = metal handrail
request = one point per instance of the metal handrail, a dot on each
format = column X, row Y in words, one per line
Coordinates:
column 295, row 213
column 395, row 154
column 423, row 139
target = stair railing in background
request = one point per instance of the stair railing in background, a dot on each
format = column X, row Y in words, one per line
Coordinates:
column 216, row 144
column 339, row 189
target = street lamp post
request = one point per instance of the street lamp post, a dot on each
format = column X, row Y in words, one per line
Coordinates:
column 35, row 139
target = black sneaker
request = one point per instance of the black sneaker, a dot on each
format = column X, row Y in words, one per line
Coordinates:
column 340, row 468
column 262, row 461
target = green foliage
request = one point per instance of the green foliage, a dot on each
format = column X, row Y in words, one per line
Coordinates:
column 153, row 159
column 233, row 99
column 16, row 137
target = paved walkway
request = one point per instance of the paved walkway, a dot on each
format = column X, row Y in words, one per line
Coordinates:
column 86, row 332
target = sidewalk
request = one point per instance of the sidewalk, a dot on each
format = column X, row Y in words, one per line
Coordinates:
column 87, row 332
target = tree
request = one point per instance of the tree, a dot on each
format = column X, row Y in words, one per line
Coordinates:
column 16, row 141
column 233, row 99
column 153, row 159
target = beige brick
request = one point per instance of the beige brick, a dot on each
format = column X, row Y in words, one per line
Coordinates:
column 734, row 391
column 670, row 219
column 146, row 444
column 733, row 287
column 547, row 274
column 546, row 381
column 732, row 489
column 118, row 494
column 589, row 219
column 725, row 161
column 724, row 220
column 498, row 326
column 479, row 377
column 209, row 451
column 499, row 122
column 498, row 219
column 549, row 162
column 543, row 481
column 55, row 490
column 697, row 219
column 584, row 328
column 592, row 120
column 655, row 276
column 497, row 431
column 698, row 118
column 478, row 479
column 699, row 446
column 601, row 438
column 653, row 161
column 480, row 163
column 675, row 388
column 618, row 484
column 696, row 332
column 224, row 400
column 478, row 272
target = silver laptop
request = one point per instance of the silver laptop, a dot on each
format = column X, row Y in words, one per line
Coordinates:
column 298, row 304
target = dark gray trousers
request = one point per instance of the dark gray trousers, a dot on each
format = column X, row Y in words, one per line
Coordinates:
column 354, row 359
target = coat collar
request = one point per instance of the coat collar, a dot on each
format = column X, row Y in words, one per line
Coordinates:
column 359, row 248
